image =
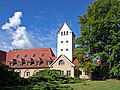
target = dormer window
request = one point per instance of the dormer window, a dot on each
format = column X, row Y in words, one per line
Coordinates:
column 37, row 63
column 25, row 56
column 17, row 56
column 34, row 55
column 20, row 63
column 28, row 63
column 42, row 55
column 48, row 63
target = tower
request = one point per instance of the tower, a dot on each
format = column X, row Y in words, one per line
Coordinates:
column 65, row 41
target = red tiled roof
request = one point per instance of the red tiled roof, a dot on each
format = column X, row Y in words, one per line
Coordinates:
column 75, row 61
column 19, row 55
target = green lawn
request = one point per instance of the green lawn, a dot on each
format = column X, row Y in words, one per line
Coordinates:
column 97, row 85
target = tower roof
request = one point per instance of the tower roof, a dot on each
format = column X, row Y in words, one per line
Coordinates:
column 65, row 25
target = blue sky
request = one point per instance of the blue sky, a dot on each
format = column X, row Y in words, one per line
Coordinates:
column 42, row 19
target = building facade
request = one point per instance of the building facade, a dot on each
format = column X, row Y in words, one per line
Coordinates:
column 28, row 61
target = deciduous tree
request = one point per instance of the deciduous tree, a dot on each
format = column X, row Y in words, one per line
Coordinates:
column 100, row 34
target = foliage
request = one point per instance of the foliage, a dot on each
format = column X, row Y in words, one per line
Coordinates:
column 53, row 77
column 100, row 34
column 51, row 80
column 8, row 76
column 42, row 80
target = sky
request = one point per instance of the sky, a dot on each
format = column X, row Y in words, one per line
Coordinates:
column 26, row 24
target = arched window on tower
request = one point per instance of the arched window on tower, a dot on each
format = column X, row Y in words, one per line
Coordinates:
column 66, row 32
column 61, row 62
column 61, row 33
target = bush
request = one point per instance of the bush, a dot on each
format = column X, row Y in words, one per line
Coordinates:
column 52, row 76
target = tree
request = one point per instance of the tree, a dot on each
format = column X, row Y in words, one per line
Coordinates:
column 100, row 34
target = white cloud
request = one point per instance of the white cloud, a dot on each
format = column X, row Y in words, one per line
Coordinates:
column 14, row 22
column 19, row 35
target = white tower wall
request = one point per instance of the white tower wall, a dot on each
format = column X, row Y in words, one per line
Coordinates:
column 65, row 43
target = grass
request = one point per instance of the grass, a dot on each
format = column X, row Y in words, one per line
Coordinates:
column 110, row 84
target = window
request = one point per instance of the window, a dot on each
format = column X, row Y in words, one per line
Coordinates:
column 79, row 72
column 42, row 54
column 61, row 33
column 25, row 56
column 62, row 72
column 17, row 56
column 68, row 72
column 19, row 63
column 61, row 41
column 19, row 73
column 86, row 73
column 48, row 62
column 37, row 63
column 61, row 49
column 34, row 55
column 66, row 32
column 28, row 63
column 11, row 63
column 61, row 62
column 27, row 73
column 67, row 41
column 66, row 49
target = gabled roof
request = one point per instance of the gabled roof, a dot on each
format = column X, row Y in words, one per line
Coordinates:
column 64, row 58
column 63, row 25
column 32, row 55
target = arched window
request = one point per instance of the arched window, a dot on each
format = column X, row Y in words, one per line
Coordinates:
column 61, row 62
column 66, row 32
column 61, row 33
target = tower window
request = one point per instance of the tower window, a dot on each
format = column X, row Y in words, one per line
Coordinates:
column 67, row 41
column 61, row 41
column 61, row 33
column 61, row 49
column 66, row 49
column 66, row 32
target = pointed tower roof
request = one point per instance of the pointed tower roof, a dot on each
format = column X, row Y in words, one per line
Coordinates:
column 65, row 25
